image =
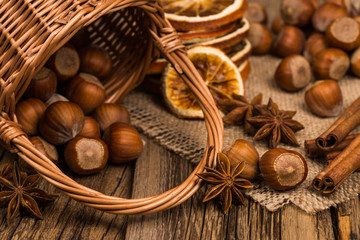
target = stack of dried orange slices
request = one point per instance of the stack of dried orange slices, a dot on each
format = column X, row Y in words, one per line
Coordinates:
column 216, row 23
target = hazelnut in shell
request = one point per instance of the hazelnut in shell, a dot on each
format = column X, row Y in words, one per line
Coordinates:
column 91, row 128
column 109, row 113
column 290, row 40
column 315, row 3
column 314, row 44
column 283, row 169
column 296, row 12
column 324, row 98
column 256, row 13
column 357, row 19
column 277, row 24
column 62, row 121
column 86, row 156
column 325, row 14
column 56, row 97
column 124, row 143
column 330, row 63
column 343, row 33
column 29, row 112
column 244, row 151
column 87, row 91
column 293, row 73
column 342, row 3
column 95, row 60
column 355, row 62
column 42, row 85
column 65, row 62
column 260, row 38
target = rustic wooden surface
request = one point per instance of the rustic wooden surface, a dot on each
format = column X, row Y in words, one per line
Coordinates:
column 154, row 172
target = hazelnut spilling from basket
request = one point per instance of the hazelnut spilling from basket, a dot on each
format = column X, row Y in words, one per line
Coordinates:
column 64, row 105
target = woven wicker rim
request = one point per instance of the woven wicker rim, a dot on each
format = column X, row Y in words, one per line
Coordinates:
column 66, row 19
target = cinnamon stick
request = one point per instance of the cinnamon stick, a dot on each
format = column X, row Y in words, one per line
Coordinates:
column 332, row 155
column 341, row 127
column 339, row 169
column 312, row 150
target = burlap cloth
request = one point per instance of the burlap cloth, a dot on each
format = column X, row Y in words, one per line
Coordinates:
column 188, row 137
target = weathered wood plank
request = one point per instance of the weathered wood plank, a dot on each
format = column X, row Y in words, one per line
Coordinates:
column 297, row 224
column 68, row 219
column 347, row 218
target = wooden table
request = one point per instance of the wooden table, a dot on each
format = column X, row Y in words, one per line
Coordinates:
column 158, row 170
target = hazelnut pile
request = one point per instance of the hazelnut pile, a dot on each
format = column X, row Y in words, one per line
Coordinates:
column 64, row 104
column 318, row 40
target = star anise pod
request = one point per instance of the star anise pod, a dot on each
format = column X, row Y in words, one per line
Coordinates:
column 275, row 125
column 19, row 194
column 226, row 181
column 238, row 110
column 6, row 172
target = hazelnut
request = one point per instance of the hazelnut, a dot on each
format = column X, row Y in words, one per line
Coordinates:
column 296, row 12
column 260, row 38
column 123, row 141
column 62, row 121
column 244, row 151
column 29, row 113
column 56, row 98
column 344, row 33
column 355, row 62
column 324, row 98
column 341, row 3
column 315, row 3
column 87, row 91
column 256, row 13
column 86, row 156
column 357, row 19
column 109, row 113
column 45, row 148
column 96, row 61
column 325, row 14
column 91, row 128
column 290, row 40
column 293, row 73
column 313, row 45
column 283, row 169
column 65, row 63
column 42, row 85
column 277, row 24
column 330, row 63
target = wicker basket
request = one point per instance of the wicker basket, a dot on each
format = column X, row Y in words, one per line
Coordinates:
column 135, row 32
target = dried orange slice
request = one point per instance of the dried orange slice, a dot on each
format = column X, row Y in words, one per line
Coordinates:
column 220, row 74
column 245, row 69
column 207, row 33
column 240, row 52
column 225, row 41
column 186, row 15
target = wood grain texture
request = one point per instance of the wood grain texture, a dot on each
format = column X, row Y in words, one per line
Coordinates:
column 156, row 171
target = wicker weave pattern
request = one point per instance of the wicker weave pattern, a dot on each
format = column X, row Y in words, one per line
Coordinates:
column 134, row 32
